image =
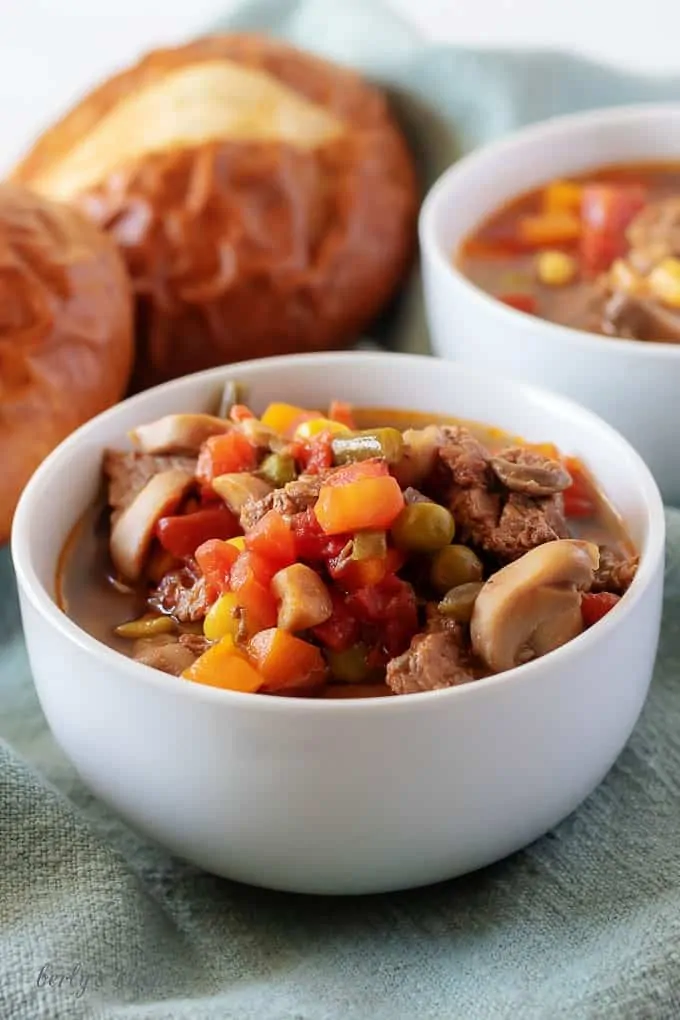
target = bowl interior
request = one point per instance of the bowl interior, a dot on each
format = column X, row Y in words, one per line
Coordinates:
column 476, row 186
column 70, row 478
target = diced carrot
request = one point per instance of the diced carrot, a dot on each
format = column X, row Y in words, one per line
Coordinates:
column 549, row 229
column 215, row 560
column 520, row 302
column 562, row 196
column 342, row 412
column 273, row 539
column 224, row 666
column 224, row 455
column 354, row 574
column 595, row 605
column 354, row 472
column 182, row 535
column 286, row 661
column 367, row 503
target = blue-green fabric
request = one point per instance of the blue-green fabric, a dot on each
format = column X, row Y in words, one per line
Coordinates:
column 582, row 925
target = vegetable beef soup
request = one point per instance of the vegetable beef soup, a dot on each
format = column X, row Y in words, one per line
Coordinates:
column 599, row 252
column 344, row 553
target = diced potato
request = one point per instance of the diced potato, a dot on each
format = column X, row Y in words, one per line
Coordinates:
column 664, row 282
column 555, row 268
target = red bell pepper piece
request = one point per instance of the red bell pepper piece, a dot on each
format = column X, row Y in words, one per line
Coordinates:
column 606, row 211
column 182, row 535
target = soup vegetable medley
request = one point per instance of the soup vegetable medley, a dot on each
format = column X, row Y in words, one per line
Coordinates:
column 599, row 252
column 347, row 553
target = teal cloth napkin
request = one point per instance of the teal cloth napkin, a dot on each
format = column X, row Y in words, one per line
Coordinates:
column 585, row 924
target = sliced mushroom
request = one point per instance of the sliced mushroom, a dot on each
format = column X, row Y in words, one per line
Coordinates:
column 164, row 652
column 533, row 605
column 527, row 471
column 239, row 488
column 132, row 532
column 304, row 600
column 178, row 433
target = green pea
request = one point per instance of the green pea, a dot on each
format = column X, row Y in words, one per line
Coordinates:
column 349, row 666
column 279, row 469
column 423, row 528
column 349, row 448
column 453, row 566
column 459, row 602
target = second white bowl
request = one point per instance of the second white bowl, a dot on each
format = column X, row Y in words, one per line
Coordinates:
column 633, row 385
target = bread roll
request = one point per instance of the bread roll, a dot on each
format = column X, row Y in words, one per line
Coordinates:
column 265, row 200
column 66, row 333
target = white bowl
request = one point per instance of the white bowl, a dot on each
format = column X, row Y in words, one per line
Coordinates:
column 634, row 385
column 343, row 796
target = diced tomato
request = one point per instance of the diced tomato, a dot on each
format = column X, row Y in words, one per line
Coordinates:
column 392, row 606
column 273, row 538
column 521, row 302
column 252, row 566
column 341, row 629
column 182, row 535
column 215, row 560
column 223, row 455
column 240, row 412
column 366, row 503
column 595, row 605
column 342, row 412
column 286, row 662
column 318, row 453
column 250, row 580
column 579, row 500
column 354, row 574
column 354, row 472
column 606, row 211
column 312, row 543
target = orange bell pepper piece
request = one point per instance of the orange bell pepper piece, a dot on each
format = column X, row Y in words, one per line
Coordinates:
column 373, row 468
column 367, row 503
column 285, row 661
column 224, row 666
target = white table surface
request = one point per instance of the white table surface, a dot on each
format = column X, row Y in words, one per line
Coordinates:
column 52, row 50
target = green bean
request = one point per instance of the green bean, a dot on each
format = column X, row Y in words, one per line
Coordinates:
column 145, row 626
column 423, row 527
column 349, row 666
column 453, row 566
column 233, row 393
column 279, row 469
column 354, row 446
column 367, row 545
column 458, row 603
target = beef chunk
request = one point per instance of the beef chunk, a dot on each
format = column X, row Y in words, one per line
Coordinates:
column 465, row 457
column 529, row 472
column 615, row 572
column 293, row 498
column 654, row 234
column 437, row 659
column 164, row 652
column 182, row 594
column 639, row 318
column 507, row 529
column 128, row 473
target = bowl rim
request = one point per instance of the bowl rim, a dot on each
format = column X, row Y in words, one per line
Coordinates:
column 32, row 502
column 494, row 151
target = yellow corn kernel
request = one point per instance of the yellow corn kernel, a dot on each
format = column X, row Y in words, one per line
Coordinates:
column 664, row 282
column 221, row 621
column 238, row 543
column 280, row 417
column 555, row 268
column 311, row 428
column 562, row 196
